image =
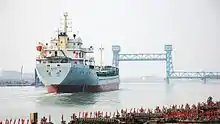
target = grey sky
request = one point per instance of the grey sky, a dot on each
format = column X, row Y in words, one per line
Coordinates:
column 139, row 26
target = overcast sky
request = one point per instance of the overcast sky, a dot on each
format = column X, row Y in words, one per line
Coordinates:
column 139, row 26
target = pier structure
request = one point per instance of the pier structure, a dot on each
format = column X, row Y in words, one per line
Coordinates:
column 164, row 56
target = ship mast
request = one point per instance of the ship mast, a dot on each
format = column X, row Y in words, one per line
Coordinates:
column 63, row 36
column 65, row 22
column 101, row 52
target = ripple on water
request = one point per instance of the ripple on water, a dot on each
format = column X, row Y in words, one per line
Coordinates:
column 74, row 99
column 20, row 101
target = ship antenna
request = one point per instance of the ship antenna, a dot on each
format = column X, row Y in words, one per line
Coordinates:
column 77, row 33
column 101, row 52
column 65, row 22
column 58, row 32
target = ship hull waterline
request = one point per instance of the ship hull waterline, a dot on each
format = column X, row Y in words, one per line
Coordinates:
column 60, row 88
column 71, row 78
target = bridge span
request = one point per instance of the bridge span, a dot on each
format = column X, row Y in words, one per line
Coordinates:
column 165, row 56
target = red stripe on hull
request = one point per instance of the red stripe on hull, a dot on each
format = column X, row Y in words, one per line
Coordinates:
column 82, row 88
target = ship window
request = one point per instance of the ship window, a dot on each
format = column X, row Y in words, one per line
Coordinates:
column 56, row 44
column 58, row 65
column 49, row 52
column 55, row 53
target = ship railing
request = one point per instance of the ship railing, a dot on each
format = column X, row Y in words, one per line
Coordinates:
column 71, row 40
column 52, row 49
column 41, row 59
column 77, row 58
column 89, row 58
column 47, row 58
column 87, row 50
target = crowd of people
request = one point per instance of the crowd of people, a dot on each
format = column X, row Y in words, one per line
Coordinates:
column 205, row 111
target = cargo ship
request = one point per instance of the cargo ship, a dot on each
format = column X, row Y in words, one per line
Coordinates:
column 65, row 66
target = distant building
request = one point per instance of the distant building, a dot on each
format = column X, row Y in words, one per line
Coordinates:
column 8, row 77
column 15, row 78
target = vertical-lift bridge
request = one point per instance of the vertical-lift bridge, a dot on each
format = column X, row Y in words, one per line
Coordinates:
column 167, row 57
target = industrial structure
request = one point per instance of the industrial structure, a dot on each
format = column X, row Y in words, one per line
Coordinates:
column 167, row 57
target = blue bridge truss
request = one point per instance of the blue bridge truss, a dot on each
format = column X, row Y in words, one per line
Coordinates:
column 196, row 75
column 142, row 57
column 167, row 57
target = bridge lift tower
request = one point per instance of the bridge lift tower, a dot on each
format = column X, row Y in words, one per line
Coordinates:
column 167, row 57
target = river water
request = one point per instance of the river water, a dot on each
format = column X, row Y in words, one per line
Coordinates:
column 18, row 102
